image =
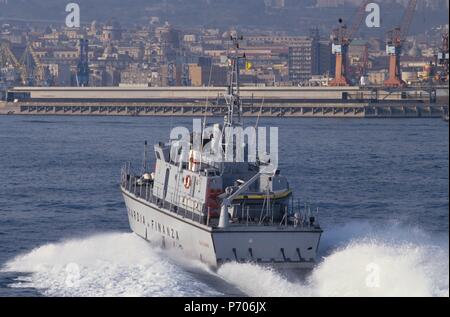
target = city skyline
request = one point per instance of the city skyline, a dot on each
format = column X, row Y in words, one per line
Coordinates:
column 290, row 16
column 151, row 54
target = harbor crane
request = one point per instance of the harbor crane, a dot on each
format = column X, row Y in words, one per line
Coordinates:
column 394, row 46
column 8, row 59
column 341, row 38
column 37, row 72
column 29, row 66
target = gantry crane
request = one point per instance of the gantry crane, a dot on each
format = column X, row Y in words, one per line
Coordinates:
column 394, row 46
column 8, row 59
column 28, row 63
column 29, row 66
column 341, row 39
column 37, row 73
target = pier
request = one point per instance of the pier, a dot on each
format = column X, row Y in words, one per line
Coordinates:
column 307, row 102
column 342, row 110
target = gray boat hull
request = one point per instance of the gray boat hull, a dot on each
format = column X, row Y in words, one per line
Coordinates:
column 280, row 247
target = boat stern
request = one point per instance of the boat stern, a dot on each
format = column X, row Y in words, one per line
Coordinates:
column 280, row 247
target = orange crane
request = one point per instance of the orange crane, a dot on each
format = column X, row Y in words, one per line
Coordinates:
column 394, row 45
column 341, row 39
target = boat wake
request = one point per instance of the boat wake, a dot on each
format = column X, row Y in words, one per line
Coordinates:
column 114, row 264
column 358, row 260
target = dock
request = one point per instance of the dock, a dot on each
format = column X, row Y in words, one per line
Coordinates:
column 357, row 110
column 307, row 102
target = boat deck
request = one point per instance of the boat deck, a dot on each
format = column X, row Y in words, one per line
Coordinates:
column 132, row 185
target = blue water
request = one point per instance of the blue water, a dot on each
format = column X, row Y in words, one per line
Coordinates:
column 381, row 186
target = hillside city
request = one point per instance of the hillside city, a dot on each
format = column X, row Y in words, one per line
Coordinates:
column 158, row 53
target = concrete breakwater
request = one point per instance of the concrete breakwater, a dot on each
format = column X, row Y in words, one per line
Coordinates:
column 340, row 102
column 326, row 110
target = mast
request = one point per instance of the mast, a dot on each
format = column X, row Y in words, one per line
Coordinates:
column 234, row 103
column 144, row 159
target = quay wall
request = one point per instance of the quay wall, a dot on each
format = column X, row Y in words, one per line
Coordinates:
column 209, row 101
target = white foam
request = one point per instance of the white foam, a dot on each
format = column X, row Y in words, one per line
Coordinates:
column 374, row 263
column 116, row 264
column 260, row 281
column 409, row 263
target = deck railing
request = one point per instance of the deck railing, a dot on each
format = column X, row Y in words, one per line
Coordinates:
column 143, row 189
column 296, row 214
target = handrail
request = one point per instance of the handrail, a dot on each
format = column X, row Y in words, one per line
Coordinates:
column 293, row 216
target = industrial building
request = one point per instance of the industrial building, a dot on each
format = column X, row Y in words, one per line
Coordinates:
column 309, row 57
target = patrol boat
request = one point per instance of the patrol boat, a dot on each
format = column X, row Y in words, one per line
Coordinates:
column 220, row 211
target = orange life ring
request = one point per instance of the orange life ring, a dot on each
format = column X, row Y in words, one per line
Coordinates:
column 187, row 182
